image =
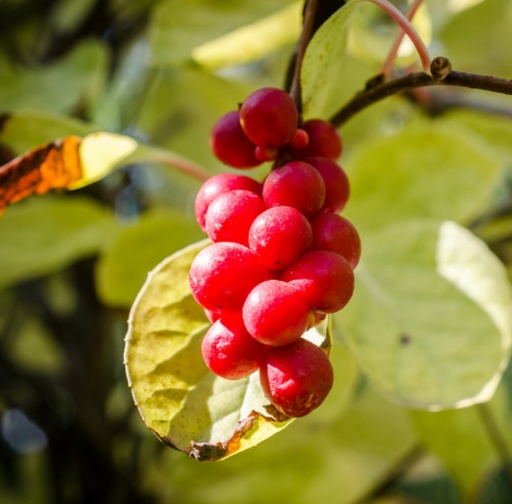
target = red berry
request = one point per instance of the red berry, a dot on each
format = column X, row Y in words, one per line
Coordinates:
column 300, row 140
column 337, row 234
column 229, row 351
column 275, row 313
column 279, row 236
column 324, row 278
column 229, row 143
column 231, row 214
column 269, row 117
column 219, row 184
column 336, row 183
column 324, row 140
column 296, row 184
column 222, row 275
column 296, row 378
column 265, row 153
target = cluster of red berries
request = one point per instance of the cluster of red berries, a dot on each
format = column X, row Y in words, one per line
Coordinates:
column 281, row 257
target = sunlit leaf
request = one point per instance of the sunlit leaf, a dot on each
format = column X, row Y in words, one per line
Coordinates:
column 123, row 268
column 430, row 321
column 253, row 41
column 180, row 400
column 177, row 27
column 421, row 172
column 324, row 63
column 70, row 162
column 41, row 235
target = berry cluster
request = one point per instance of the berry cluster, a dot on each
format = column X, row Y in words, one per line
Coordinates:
column 281, row 258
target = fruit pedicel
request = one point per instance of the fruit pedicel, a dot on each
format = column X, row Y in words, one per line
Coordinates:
column 281, row 258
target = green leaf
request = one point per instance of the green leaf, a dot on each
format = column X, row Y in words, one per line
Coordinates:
column 177, row 27
column 319, row 458
column 180, row 400
column 41, row 235
column 324, row 63
column 424, row 171
column 122, row 270
column 23, row 131
column 430, row 321
column 252, row 42
column 57, row 88
column 461, row 439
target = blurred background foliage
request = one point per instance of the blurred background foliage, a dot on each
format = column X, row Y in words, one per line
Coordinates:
column 72, row 263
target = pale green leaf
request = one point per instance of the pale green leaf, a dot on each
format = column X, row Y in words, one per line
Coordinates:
column 333, row 458
column 322, row 72
column 423, row 171
column 41, row 235
column 252, row 42
column 430, row 318
column 180, row 400
column 178, row 27
column 56, row 88
column 122, row 269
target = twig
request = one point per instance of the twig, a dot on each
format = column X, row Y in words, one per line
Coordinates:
column 376, row 92
column 307, row 33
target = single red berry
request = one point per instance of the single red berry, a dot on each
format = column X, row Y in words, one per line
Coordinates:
column 296, row 378
column 279, row 236
column 324, row 140
column 275, row 313
column 337, row 234
column 296, row 184
column 336, row 183
column 265, row 153
column 324, row 278
column 231, row 214
column 300, row 139
column 229, row 143
column 229, row 351
column 219, row 184
column 269, row 117
column 222, row 275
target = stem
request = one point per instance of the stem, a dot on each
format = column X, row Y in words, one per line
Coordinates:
column 307, row 33
column 152, row 154
column 390, row 60
column 408, row 29
column 380, row 91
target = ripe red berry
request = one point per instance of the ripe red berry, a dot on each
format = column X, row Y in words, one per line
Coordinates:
column 229, row 143
column 229, row 351
column 222, row 275
column 296, row 184
column 324, row 278
column 337, row 234
column 296, row 378
column 336, row 183
column 231, row 214
column 269, row 117
column 279, row 236
column 219, row 184
column 275, row 313
column 324, row 140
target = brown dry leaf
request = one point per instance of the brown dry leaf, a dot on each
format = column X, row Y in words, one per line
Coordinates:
column 52, row 166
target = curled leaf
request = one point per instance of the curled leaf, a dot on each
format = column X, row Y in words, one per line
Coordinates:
column 180, row 400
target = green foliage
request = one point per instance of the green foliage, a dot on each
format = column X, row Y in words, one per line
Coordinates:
column 428, row 328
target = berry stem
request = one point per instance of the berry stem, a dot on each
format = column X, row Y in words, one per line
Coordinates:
column 307, row 33
column 381, row 90
column 146, row 153
column 390, row 60
column 408, row 29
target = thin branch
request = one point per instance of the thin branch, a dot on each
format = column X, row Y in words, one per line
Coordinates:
column 408, row 29
column 390, row 60
column 442, row 76
column 307, row 33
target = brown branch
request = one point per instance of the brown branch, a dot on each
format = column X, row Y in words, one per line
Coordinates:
column 442, row 75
